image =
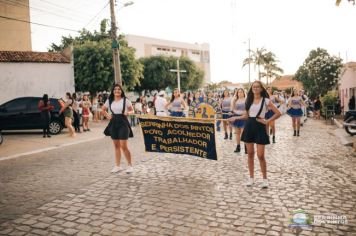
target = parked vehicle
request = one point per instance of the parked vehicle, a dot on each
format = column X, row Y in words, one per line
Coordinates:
column 23, row 114
column 350, row 120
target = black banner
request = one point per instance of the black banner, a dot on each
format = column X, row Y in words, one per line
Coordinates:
column 181, row 136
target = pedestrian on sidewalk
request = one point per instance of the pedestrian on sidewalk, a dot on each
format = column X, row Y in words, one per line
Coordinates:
column 86, row 104
column 76, row 115
column 257, row 105
column 295, row 110
column 317, row 108
column 68, row 114
column 238, row 109
column 119, row 127
column 45, row 107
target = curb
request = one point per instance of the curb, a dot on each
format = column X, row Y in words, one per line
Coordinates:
column 49, row 148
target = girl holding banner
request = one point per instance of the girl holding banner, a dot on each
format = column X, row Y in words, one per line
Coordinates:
column 257, row 105
column 238, row 109
column 119, row 127
column 176, row 104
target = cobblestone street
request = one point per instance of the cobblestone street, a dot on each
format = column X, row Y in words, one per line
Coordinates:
column 70, row 191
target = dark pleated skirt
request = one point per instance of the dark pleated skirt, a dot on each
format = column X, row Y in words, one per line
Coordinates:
column 254, row 132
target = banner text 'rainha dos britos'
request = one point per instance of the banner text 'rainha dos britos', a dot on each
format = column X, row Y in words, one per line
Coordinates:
column 181, row 136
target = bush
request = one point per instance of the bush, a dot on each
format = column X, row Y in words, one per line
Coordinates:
column 329, row 101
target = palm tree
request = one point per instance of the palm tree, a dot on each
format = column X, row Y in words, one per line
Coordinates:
column 270, row 66
column 257, row 58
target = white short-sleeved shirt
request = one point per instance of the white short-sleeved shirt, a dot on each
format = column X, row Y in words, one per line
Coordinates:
column 255, row 108
column 117, row 106
column 160, row 104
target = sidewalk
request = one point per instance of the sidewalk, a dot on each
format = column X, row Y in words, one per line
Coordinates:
column 18, row 144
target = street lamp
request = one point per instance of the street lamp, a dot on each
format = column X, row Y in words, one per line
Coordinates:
column 115, row 44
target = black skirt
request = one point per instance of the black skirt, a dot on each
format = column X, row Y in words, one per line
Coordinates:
column 255, row 132
column 119, row 128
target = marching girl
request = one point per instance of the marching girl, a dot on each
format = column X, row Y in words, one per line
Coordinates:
column 238, row 109
column 276, row 102
column 295, row 111
column 226, row 109
column 176, row 104
column 257, row 105
column 119, row 127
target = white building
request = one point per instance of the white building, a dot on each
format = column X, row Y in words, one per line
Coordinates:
column 347, row 84
column 24, row 73
column 146, row 47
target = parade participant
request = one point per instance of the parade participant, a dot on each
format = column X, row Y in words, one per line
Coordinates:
column 238, row 109
column 68, row 114
column 45, row 107
column 85, row 104
column 276, row 102
column 295, row 104
column 160, row 104
column 176, row 104
column 226, row 110
column 119, row 127
column 257, row 104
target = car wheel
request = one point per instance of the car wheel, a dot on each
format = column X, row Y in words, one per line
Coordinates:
column 55, row 127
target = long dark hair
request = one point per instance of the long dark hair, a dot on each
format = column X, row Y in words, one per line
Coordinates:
column 250, row 96
column 70, row 97
column 172, row 98
column 223, row 94
column 236, row 95
column 111, row 96
column 292, row 93
column 45, row 99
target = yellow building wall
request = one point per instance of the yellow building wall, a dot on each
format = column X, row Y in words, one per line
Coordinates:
column 15, row 35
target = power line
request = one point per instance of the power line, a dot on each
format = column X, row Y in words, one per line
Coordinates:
column 34, row 23
column 18, row 4
column 97, row 14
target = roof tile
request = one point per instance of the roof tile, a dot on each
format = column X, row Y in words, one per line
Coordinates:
column 37, row 57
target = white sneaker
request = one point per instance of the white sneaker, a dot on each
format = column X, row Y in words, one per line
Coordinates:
column 249, row 182
column 129, row 169
column 117, row 169
column 264, row 183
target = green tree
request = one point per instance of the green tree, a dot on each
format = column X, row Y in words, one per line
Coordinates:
column 319, row 72
column 158, row 76
column 257, row 58
column 271, row 69
column 93, row 70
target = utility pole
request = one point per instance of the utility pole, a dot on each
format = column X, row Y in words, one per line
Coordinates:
column 115, row 46
column 178, row 73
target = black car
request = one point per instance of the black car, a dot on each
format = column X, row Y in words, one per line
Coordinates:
column 23, row 113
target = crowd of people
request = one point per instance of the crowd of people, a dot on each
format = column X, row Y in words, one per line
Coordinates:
column 250, row 114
